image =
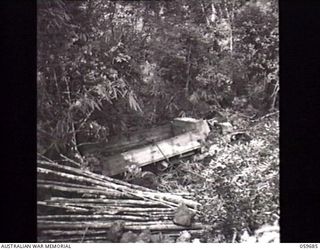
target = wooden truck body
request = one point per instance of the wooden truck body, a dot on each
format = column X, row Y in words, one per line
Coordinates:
column 152, row 145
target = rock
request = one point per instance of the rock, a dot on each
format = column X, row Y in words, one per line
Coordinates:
column 183, row 216
column 129, row 237
column 144, row 236
column 184, row 237
column 116, row 231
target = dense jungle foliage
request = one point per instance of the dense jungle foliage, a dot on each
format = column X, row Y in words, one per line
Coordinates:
column 108, row 67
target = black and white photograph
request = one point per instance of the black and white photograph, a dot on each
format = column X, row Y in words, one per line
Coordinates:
column 158, row 121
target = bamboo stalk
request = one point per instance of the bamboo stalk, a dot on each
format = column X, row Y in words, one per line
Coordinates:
column 113, row 209
column 122, row 202
column 105, row 210
column 95, row 239
column 73, row 209
column 193, row 232
column 123, row 186
column 159, row 225
column 99, row 217
column 49, row 182
column 167, row 199
column 126, row 209
column 73, row 232
column 70, row 160
column 117, row 187
column 141, row 208
column 170, row 199
column 74, row 187
column 146, row 215
column 93, row 175
column 150, row 214
column 95, row 223
column 79, row 178
column 112, row 193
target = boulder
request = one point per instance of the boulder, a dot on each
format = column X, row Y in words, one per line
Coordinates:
column 183, row 216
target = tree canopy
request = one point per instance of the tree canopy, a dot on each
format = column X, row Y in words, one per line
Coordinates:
column 107, row 67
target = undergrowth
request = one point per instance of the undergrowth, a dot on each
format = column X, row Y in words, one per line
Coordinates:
column 237, row 183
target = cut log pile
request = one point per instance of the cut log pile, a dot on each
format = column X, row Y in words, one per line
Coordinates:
column 76, row 205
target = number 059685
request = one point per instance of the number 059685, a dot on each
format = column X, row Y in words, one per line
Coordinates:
column 308, row 245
